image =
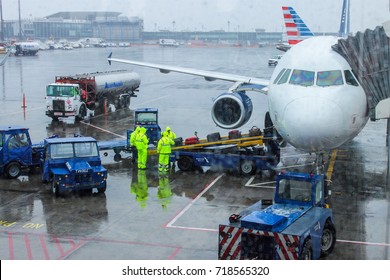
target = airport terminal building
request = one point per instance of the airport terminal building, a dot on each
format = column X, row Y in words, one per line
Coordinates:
column 114, row 27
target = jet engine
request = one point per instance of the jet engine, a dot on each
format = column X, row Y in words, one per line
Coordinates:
column 231, row 110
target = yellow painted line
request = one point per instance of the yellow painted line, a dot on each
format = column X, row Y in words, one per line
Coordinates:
column 331, row 164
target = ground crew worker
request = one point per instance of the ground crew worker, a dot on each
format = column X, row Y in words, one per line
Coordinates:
column 164, row 151
column 141, row 142
column 170, row 133
column 133, row 136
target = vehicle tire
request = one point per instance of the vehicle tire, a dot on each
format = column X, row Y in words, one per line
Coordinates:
column 127, row 102
column 328, row 239
column 103, row 189
column 186, row 163
column 82, row 113
column 117, row 157
column 13, row 170
column 247, row 167
column 54, row 189
column 307, row 251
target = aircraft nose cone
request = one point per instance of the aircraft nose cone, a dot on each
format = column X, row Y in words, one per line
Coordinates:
column 313, row 124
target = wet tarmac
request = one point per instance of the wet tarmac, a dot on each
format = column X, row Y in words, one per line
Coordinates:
column 146, row 216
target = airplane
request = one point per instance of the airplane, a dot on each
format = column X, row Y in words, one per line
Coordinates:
column 315, row 100
column 296, row 29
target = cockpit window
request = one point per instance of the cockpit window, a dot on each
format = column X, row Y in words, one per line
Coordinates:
column 350, row 79
column 302, row 78
column 279, row 75
column 285, row 76
column 329, row 78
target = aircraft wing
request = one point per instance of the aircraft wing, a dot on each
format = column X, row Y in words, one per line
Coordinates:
column 243, row 82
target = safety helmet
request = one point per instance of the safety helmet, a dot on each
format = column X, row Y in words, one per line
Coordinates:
column 168, row 128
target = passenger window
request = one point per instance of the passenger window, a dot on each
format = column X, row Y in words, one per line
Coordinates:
column 279, row 75
column 302, row 78
column 285, row 76
column 329, row 78
column 350, row 79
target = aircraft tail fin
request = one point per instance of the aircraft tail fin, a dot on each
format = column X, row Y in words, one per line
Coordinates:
column 296, row 28
column 344, row 21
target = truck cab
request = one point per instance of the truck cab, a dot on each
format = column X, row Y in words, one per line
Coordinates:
column 298, row 225
column 148, row 118
column 65, row 100
column 73, row 164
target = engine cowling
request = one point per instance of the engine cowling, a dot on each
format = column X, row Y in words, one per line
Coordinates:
column 231, row 110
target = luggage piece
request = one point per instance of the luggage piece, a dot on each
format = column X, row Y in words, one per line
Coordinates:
column 234, row 134
column 178, row 141
column 216, row 136
column 191, row 140
column 254, row 131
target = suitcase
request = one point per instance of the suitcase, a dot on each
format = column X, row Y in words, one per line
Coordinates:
column 178, row 141
column 254, row 131
column 216, row 136
column 191, row 140
column 234, row 134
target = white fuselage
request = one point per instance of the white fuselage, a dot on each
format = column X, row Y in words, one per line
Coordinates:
column 316, row 115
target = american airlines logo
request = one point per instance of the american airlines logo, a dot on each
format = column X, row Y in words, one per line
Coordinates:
column 113, row 85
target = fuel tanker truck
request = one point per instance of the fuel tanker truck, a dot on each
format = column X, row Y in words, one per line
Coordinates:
column 84, row 95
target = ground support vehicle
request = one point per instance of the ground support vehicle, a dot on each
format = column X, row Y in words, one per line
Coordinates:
column 17, row 152
column 148, row 118
column 298, row 225
column 26, row 48
column 85, row 95
column 231, row 157
column 145, row 117
column 69, row 164
column 274, row 60
column 73, row 164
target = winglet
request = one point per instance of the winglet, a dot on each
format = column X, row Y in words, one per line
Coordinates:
column 108, row 58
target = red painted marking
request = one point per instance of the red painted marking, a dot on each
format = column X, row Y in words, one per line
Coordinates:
column 28, row 247
column 59, row 247
column 226, row 236
column 173, row 255
column 290, row 24
column 287, row 16
column 11, row 246
column 292, row 33
column 44, row 248
column 293, row 42
column 284, row 8
column 232, row 242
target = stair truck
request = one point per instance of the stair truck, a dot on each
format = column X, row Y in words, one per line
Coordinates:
column 84, row 95
column 68, row 164
column 298, row 225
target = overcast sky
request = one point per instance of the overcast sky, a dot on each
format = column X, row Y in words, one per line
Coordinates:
column 206, row 15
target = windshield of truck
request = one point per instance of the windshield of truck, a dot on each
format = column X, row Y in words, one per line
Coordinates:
column 61, row 91
column 295, row 190
column 86, row 149
column 146, row 118
column 61, row 150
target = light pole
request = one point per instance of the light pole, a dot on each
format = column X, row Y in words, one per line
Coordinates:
column 20, row 22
